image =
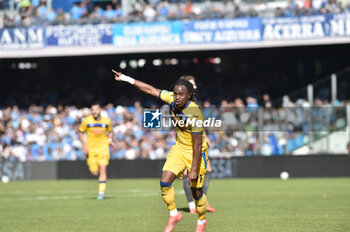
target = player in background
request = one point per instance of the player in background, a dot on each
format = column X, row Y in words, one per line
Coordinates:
column 190, row 150
column 99, row 136
column 187, row 188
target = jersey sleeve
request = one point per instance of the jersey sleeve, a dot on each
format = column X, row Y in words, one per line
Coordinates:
column 83, row 126
column 166, row 96
column 196, row 116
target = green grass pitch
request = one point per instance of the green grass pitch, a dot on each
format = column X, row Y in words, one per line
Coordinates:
column 243, row 205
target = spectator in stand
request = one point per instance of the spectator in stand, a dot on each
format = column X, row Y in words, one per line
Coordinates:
column 97, row 15
column 24, row 4
column 109, row 14
column 252, row 12
column 332, row 7
column 60, row 16
column 76, row 13
column 119, row 11
column 2, row 4
column 13, row 4
column 266, row 101
column 41, row 11
column 51, row 16
column 188, row 8
column 84, row 10
column 163, row 10
column 178, row 13
column 149, row 13
column 279, row 12
column 35, row 3
column 290, row 11
column 259, row 8
column 89, row 6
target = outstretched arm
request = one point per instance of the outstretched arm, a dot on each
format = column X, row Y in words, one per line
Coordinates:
column 144, row 87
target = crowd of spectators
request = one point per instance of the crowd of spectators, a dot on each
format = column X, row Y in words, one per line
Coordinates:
column 39, row 12
column 51, row 133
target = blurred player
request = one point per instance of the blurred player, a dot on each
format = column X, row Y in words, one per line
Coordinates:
column 191, row 204
column 99, row 135
column 189, row 151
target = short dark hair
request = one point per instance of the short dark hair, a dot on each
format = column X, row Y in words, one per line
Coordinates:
column 188, row 85
column 94, row 103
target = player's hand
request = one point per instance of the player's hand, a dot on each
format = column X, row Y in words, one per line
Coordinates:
column 113, row 145
column 207, row 139
column 209, row 169
column 117, row 75
column 85, row 149
column 192, row 176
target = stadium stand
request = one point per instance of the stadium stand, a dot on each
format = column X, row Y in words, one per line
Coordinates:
column 59, row 12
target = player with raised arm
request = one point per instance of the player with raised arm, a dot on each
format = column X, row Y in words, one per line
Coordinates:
column 99, row 136
column 187, row 187
column 190, row 151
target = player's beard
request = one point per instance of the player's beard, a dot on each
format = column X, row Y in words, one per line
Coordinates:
column 97, row 118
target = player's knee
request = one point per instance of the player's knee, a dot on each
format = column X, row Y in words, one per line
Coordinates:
column 165, row 184
column 102, row 169
column 197, row 193
column 94, row 173
column 167, row 177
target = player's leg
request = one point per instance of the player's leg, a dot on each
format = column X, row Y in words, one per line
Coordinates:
column 206, row 186
column 174, row 166
column 92, row 163
column 200, row 200
column 198, row 194
column 103, row 161
column 102, row 181
column 168, row 194
column 188, row 193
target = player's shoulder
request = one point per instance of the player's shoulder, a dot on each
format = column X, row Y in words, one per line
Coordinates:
column 166, row 93
column 192, row 110
column 193, row 104
column 87, row 118
column 106, row 119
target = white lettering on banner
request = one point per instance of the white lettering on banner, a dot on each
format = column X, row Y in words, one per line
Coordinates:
column 340, row 27
column 236, row 35
column 5, row 37
column 197, row 37
column 87, row 35
column 36, row 38
column 220, row 24
column 170, row 39
column 293, row 31
column 122, row 41
column 228, row 24
column 19, row 38
column 205, row 25
column 146, row 30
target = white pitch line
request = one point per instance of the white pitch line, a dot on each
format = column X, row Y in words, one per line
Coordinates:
column 40, row 198
column 76, row 191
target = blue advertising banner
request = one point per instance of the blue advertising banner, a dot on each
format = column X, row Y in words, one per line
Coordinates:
column 79, row 35
column 222, row 31
column 339, row 25
column 306, row 27
column 22, row 38
column 147, row 34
